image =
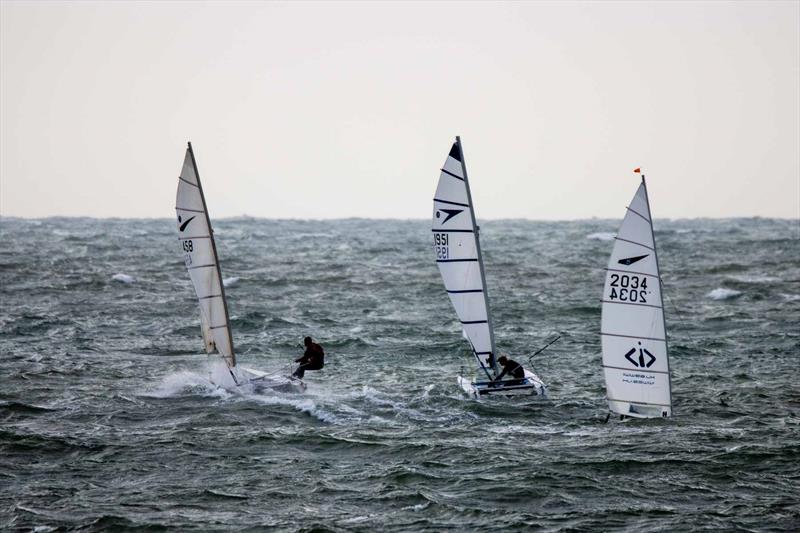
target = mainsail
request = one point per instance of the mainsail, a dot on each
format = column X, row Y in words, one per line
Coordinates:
column 633, row 329
column 197, row 242
column 458, row 255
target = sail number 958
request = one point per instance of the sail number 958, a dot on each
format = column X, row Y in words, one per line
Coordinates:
column 442, row 244
column 627, row 288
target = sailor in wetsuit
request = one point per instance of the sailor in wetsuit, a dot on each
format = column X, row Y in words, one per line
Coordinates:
column 313, row 358
column 510, row 367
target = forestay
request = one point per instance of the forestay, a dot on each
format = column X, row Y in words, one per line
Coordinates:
column 197, row 242
column 458, row 255
column 633, row 330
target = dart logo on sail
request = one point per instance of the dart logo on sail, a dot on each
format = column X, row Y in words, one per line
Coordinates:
column 640, row 362
column 449, row 212
column 183, row 226
column 631, row 260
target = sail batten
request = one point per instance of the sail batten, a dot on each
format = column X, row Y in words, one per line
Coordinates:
column 200, row 256
column 641, row 215
column 634, row 242
column 633, row 328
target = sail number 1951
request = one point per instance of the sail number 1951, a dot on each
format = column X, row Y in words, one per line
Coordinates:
column 441, row 242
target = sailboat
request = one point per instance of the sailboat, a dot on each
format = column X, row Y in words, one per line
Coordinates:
column 458, row 256
column 633, row 329
column 200, row 256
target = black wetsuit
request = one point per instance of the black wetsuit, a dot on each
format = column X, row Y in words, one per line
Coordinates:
column 513, row 368
column 313, row 359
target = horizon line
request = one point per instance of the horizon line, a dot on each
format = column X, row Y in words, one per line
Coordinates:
column 409, row 219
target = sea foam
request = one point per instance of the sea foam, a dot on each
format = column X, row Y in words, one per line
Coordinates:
column 123, row 278
column 182, row 382
column 302, row 404
column 722, row 293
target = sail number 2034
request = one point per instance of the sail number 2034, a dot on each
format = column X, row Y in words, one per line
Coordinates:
column 627, row 288
column 441, row 242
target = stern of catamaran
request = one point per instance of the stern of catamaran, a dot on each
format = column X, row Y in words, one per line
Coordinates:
column 530, row 385
column 634, row 410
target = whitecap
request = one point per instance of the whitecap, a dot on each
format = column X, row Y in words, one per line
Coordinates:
column 790, row 297
column 230, row 282
column 373, row 396
column 755, row 279
column 722, row 293
column 304, row 405
column 123, row 278
column 427, row 391
column 416, row 508
column 601, row 236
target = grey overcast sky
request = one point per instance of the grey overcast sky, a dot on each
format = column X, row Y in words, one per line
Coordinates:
column 335, row 109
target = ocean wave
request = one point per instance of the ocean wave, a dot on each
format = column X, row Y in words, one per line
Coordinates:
column 109, row 387
column 123, row 278
column 755, row 279
column 21, row 407
column 601, row 236
column 303, row 404
column 722, row 293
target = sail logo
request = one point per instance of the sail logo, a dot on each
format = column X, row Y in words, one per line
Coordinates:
column 183, row 226
column 640, row 361
column 631, row 260
column 449, row 212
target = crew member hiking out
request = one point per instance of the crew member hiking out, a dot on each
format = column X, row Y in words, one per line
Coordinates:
column 313, row 358
column 510, row 367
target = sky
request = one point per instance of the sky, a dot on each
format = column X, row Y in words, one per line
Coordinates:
column 337, row 109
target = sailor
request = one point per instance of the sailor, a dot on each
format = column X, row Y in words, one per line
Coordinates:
column 511, row 367
column 313, row 358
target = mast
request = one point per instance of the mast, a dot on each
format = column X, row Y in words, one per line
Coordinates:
column 661, row 292
column 216, row 260
column 480, row 259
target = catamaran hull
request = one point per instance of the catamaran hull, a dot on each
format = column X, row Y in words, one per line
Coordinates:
column 261, row 381
column 635, row 410
column 530, row 386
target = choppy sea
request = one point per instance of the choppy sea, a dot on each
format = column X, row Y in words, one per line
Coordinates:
column 108, row 420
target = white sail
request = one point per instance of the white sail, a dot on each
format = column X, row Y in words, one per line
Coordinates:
column 458, row 255
column 200, row 255
column 633, row 330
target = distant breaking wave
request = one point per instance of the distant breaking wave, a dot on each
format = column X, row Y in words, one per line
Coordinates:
column 123, row 278
column 723, row 294
column 755, row 279
column 601, row 236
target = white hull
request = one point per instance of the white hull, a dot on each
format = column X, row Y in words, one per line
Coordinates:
column 532, row 385
column 261, row 381
column 634, row 410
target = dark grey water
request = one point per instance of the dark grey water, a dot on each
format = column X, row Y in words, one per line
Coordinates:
column 109, row 421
